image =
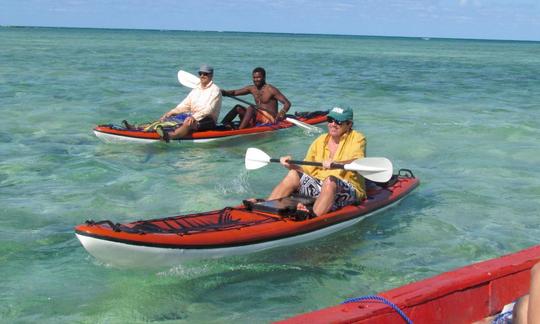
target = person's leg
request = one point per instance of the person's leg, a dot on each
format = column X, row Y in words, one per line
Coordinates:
column 533, row 313
column 189, row 125
column 206, row 123
column 231, row 115
column 519, row 312
column 248, row 118
column 324, row 203
column 181, row 131
column 287, row 186
column 127, row 125
column 527, row 308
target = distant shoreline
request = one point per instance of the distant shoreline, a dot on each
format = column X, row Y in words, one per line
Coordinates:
column 423, row 37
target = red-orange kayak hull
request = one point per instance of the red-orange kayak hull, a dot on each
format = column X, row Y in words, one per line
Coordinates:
column 229, row 231
column 115, row 134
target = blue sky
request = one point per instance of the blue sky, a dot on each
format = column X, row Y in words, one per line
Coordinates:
column 493, row 19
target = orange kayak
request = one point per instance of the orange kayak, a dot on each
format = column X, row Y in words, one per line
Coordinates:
column 229, row 231
column 119, row 134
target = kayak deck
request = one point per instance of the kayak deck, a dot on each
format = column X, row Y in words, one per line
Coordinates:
column 228, row 231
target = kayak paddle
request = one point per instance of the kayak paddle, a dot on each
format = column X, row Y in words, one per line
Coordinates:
column 378, row 169
column 191, row 81
column 188, row 80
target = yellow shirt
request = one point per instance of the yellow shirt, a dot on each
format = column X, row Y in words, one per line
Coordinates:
column 201, row 102
column 352, row 146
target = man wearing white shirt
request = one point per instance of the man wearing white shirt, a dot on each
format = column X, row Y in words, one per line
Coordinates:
column 203, row 104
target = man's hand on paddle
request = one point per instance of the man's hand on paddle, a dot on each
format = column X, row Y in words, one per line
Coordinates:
column 281, row 115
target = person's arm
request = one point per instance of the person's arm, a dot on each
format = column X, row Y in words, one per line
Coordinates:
column 183, row 106
column 284, row 101
column 238, row 92
column 284, row 160
column 207, row 108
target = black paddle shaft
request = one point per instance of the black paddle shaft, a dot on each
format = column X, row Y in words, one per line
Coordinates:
column 333, row 165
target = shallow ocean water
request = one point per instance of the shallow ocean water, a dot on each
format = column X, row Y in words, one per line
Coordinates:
column 462, row 114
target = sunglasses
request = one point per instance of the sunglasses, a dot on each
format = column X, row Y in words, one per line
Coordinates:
column 331, row 120
column 204, row 73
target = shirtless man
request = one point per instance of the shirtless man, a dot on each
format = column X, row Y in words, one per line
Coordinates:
column 266, row 100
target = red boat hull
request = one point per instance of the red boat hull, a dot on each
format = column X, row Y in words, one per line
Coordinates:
column 464, row 295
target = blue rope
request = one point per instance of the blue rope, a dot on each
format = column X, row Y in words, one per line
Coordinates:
column 383, row 300
column 503, row 318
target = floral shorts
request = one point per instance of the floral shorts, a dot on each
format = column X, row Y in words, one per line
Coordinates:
column 311, row 187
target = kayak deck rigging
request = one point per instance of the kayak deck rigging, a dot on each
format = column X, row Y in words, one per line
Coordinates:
column 189, row 224
column 253, row 212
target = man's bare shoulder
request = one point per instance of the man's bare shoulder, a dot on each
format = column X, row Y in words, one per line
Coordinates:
column 271, row 88
column 245, row 90
column 251, row 88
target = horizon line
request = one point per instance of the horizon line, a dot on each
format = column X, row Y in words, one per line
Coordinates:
column 424, row 37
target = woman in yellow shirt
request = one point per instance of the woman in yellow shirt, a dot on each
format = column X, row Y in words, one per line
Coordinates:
column 332, row 188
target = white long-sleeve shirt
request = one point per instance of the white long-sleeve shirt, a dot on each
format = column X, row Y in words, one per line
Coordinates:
column 201, row 102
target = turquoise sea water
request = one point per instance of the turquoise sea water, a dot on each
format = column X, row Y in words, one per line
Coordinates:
column 462, row 114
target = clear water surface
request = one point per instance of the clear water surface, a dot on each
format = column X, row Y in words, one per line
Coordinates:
column 462, row 114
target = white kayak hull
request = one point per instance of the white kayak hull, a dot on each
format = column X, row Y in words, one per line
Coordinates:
column 140, row 256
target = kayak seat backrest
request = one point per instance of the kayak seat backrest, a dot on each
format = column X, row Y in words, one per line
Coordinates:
column 285, row 207
column 373, row 187
column 389, row 183
column 402, row 173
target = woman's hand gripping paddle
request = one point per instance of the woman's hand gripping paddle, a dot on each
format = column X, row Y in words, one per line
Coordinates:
column 378, row 169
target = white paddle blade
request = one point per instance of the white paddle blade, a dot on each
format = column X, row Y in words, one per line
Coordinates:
column 188, row 80
column 309, row 127
column 256, row 159
column 376, row 169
